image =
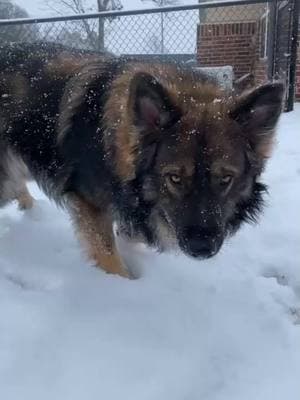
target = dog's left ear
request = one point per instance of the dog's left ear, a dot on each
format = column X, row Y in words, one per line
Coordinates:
column 257, row 113
column 150, row 103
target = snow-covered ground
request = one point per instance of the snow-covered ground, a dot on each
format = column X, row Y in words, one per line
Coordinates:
column 225, row 329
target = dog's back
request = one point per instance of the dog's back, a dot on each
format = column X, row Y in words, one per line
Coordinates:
column 31, row 76
column 32, row 82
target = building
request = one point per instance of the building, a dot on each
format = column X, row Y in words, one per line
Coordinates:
column 246, row 38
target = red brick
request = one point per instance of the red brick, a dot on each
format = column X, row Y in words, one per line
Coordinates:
column 233, row 44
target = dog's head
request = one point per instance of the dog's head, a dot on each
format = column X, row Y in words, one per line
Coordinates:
column 197, row 159
column 181, row 158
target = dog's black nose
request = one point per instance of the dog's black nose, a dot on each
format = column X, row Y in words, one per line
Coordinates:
column 200, row 242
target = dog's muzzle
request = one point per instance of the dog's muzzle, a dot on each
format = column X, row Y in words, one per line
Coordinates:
column 200, row 242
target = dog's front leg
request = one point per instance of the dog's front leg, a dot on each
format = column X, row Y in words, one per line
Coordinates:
column 95, row 230
column 25, row 200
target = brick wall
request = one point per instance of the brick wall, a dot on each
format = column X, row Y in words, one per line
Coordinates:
column 235, row 44
column 228, row 44
column 238, row 45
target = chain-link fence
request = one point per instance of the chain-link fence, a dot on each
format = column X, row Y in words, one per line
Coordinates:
column 241, row 42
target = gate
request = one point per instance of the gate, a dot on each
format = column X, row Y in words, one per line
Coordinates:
column 286, row 19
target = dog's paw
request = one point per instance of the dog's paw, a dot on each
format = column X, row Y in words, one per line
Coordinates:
column 25, row 201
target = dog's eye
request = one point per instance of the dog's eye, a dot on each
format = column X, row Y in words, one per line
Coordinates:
column 175, row 179
column 226, row 180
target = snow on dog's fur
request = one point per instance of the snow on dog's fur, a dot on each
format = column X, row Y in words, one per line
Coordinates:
column 155, row 147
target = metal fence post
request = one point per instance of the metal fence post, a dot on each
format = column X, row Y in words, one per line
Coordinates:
column 272, row 35
column 293, row 59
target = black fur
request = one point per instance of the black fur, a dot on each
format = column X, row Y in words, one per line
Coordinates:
column 249, row 210
column 54, row 116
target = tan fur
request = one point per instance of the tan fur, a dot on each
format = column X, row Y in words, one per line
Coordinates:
column 25, row 200
column 13, row 184
column 65, row 64
column 190, row 96
column 206, row 137
column 96, row 231
column 265, row 147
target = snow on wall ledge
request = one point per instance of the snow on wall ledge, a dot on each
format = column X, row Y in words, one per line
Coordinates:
column 223, row 329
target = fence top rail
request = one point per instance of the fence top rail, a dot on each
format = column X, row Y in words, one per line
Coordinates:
column 120, row 13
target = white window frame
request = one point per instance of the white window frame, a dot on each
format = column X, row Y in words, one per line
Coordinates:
column 266, row 17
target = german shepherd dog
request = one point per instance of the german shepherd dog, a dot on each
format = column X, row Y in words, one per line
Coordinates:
column 155, row 148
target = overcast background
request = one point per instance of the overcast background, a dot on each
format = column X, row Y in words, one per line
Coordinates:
column 38, row 8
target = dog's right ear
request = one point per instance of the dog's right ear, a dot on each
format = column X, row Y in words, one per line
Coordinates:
column 257, row 112
column 150, row 104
